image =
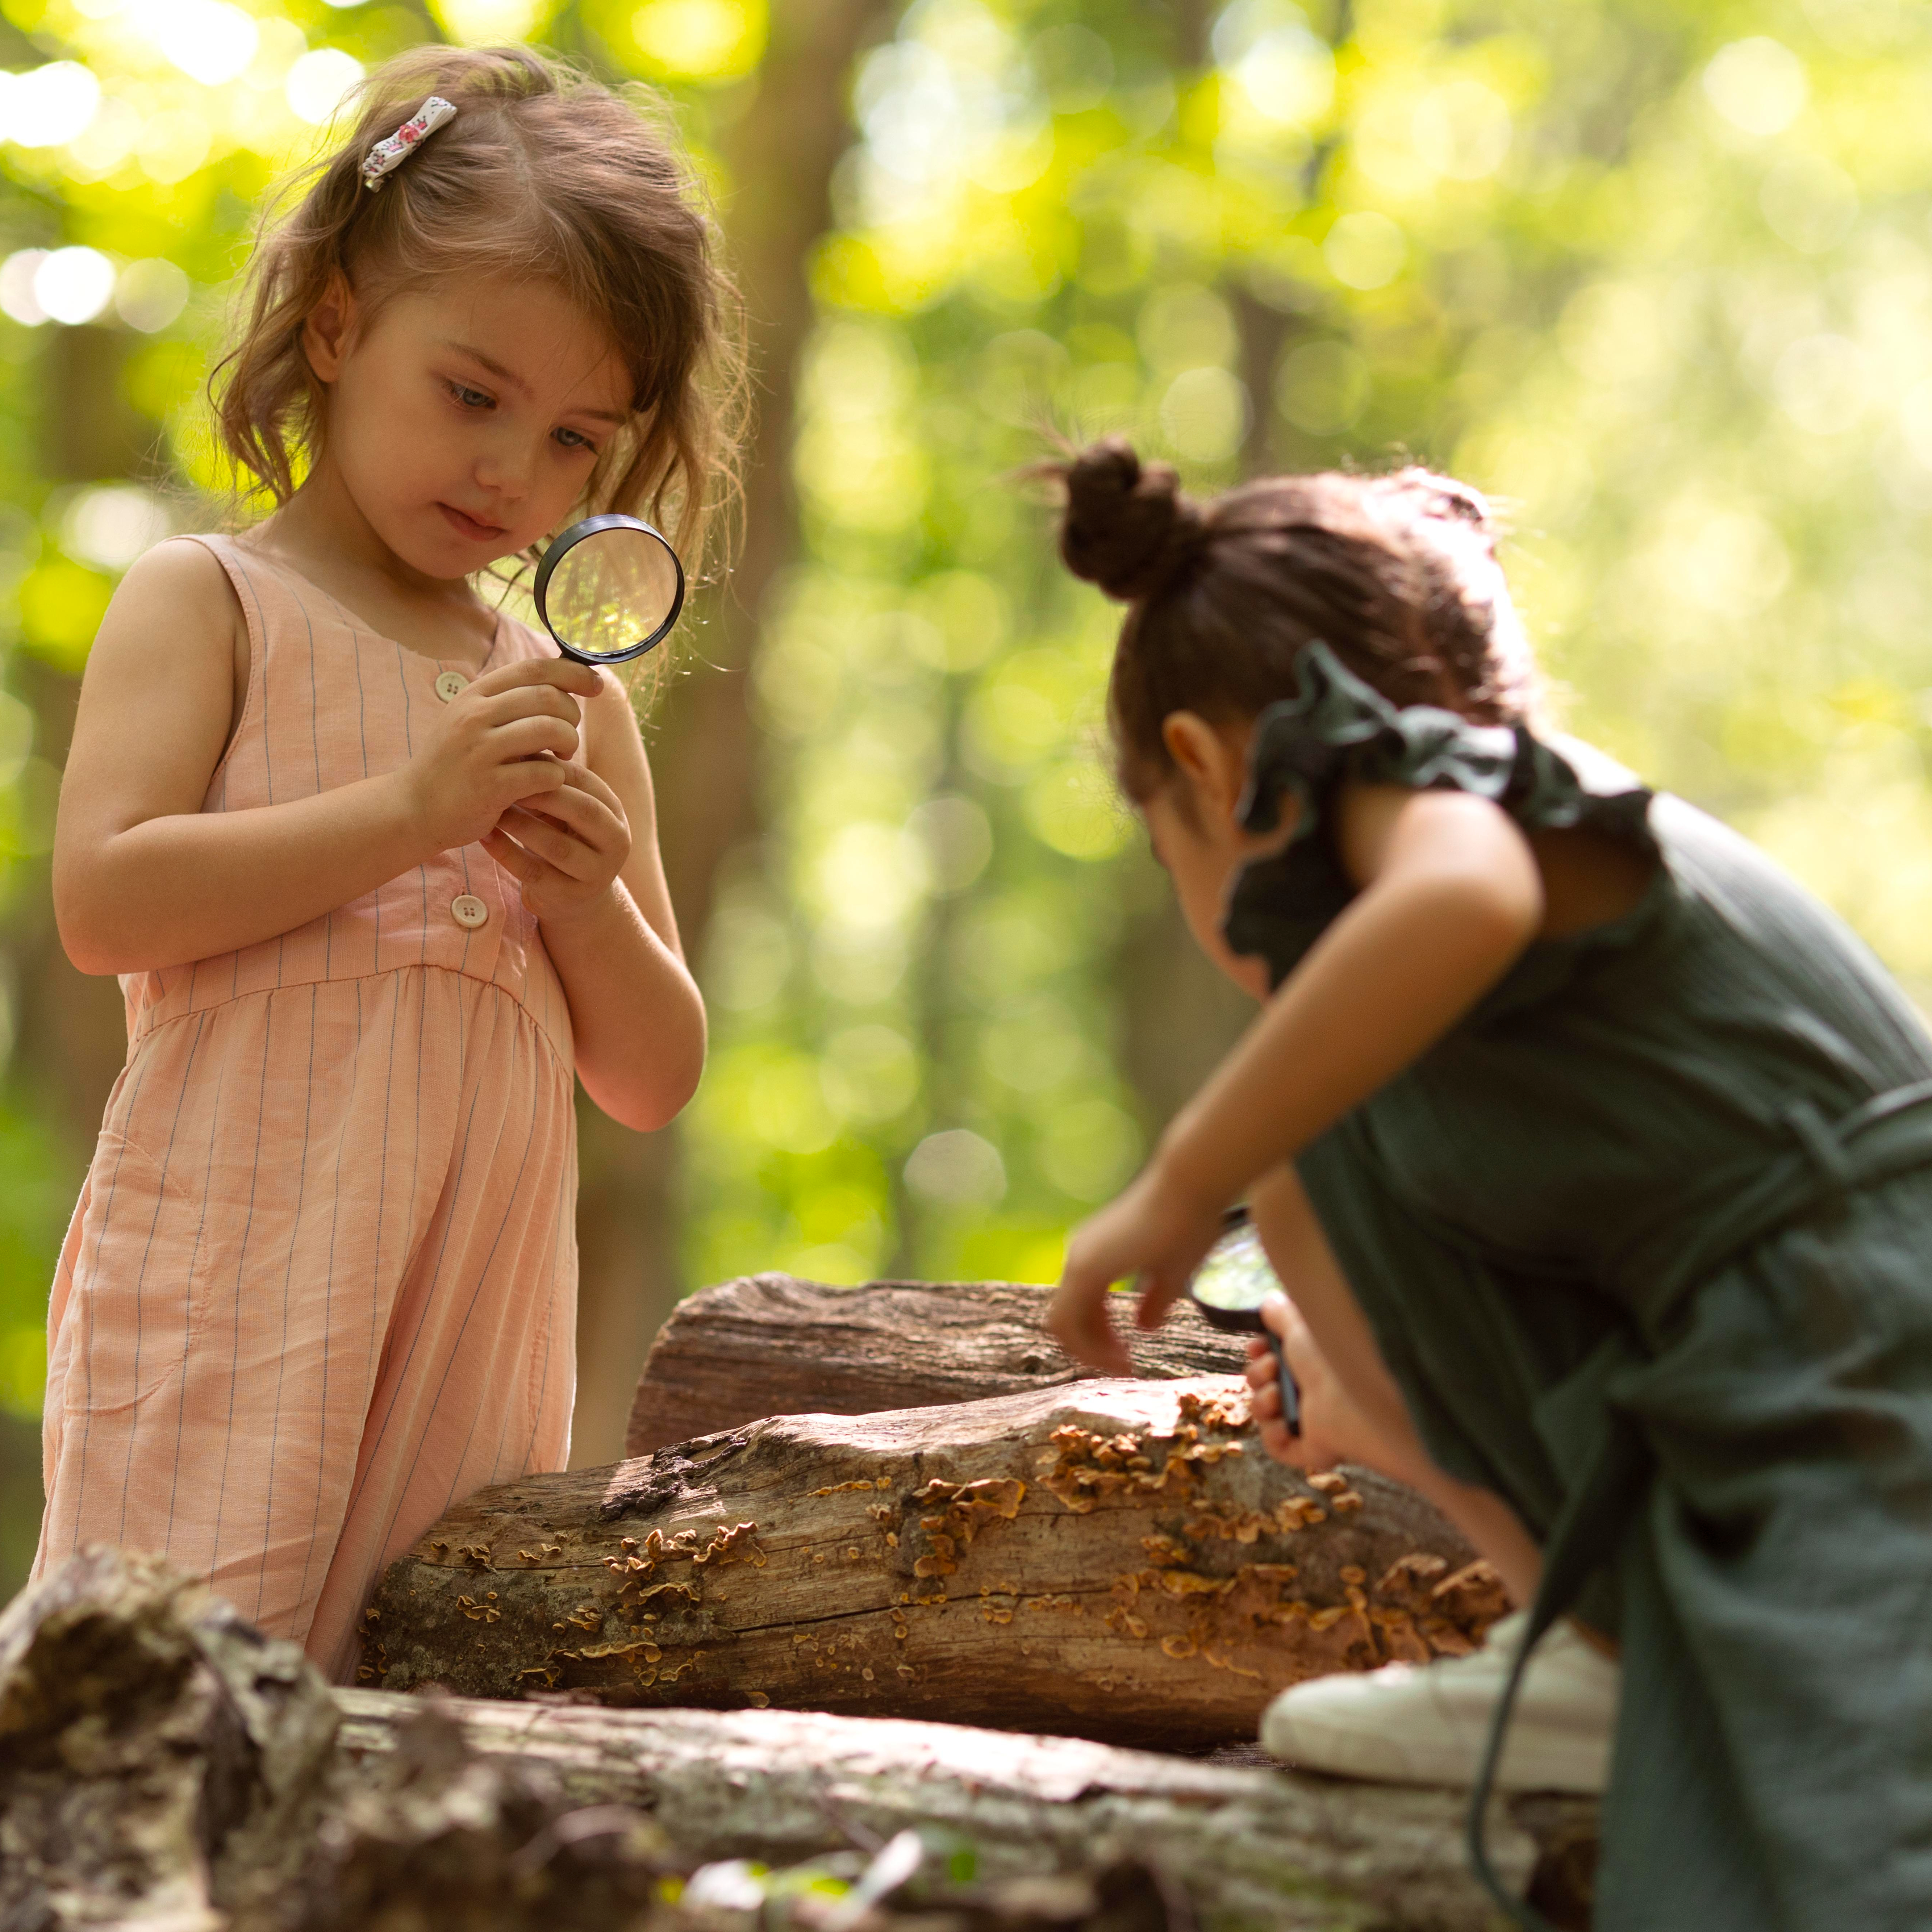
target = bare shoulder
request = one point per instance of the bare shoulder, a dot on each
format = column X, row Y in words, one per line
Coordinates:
column 183, row 570
column 174, row 602
column 1376, row 825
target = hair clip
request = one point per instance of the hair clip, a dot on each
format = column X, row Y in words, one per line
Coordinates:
column 393, row 152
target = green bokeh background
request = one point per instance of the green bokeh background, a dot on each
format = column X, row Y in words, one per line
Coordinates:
column 1657, row 273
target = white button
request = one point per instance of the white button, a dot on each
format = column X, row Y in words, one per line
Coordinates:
column 469, row 910
column 448, row 683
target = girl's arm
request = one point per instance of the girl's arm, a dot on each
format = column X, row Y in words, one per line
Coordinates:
column 144, row 878
column 1451, row 897
column 587, row 857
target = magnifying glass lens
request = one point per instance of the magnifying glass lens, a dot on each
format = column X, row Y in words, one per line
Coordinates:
column 609, row 589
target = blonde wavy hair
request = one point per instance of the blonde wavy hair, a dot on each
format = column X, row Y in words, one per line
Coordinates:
column 544, row 172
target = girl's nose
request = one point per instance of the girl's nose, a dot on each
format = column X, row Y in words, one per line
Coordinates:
column 504, row 466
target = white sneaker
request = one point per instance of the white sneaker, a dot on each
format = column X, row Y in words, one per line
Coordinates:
column 1429, row 1724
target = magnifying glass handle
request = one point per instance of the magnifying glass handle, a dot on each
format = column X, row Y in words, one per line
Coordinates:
column 1291, row 1391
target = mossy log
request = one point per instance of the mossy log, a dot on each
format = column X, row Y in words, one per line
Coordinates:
column 772, row 1345
column 1115, row 1561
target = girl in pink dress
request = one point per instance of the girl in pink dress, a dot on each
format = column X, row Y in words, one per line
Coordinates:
column 377, row 867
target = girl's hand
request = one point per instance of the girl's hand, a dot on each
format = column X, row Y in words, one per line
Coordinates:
column 1154, row 1233
column 510, row 736
column 566, row 849
column 1333, row 1428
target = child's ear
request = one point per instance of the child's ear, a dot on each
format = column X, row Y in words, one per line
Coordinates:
column 330, row 324
column 1214, row 768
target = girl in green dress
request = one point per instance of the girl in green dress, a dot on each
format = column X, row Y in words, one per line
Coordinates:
column 1596, row 1154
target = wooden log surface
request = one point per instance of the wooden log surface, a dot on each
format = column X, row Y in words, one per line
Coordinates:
column 1245, row 1847
column 1116, row 1560
column 164, row 1766
column 772, row 1345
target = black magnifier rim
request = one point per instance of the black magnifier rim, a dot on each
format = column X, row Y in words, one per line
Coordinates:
column 1217, row 1314
column 591, row 526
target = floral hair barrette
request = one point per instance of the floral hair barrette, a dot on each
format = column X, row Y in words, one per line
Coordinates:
column 397, row 149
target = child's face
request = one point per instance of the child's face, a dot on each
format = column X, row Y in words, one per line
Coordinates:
column 464, row 424
column 1194, row 825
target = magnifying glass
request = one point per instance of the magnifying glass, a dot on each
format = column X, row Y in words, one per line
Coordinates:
column 1229, row 1287
column 609, row 589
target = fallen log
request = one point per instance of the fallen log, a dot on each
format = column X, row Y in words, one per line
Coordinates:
column 164, row 1766
column 1117, row 1561
column 772, row 1345
column 1243, row 1847
column 162, row 1763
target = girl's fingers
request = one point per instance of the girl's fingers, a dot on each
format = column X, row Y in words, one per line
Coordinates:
column 524, row 867
column 505, row 707
column 553, row 851
column 1161, row 1288
column 524, row 778
column 584, row 779
column 575, row 857
column 531, row 737
column 1077, row 1319
column 583, row 813
column 558, row 673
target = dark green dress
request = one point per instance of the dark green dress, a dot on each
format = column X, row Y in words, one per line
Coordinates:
column 1671, row 1183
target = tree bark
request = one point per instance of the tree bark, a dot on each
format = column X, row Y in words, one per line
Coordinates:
column 1116, row 1560
column 1242, row 1847
column 772, row 1345
column 162, row 1763
column 779, row 154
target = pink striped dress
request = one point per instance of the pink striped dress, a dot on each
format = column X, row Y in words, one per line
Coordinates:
column 321, row 1279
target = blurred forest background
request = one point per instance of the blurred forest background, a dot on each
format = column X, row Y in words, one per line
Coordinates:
column 1658, row 272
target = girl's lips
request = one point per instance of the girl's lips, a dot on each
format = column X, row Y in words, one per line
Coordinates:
column 472, row 527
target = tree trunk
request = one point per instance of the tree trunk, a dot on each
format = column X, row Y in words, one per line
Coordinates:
column 162, row 1766
column 1116, row 1560
column 772, row 1345
column 779, row 154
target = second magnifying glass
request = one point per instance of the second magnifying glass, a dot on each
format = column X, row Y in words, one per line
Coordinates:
column 1229, row 1287
column 609, row 589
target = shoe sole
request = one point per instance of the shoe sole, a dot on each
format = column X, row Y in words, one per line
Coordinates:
column 1530, row 1763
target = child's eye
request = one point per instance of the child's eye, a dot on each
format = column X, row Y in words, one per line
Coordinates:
column 470, row 399
column 572, row 438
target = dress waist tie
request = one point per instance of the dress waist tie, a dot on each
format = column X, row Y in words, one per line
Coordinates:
column 1886, row 1136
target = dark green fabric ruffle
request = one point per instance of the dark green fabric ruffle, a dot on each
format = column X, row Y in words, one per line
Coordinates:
column 1335, row 729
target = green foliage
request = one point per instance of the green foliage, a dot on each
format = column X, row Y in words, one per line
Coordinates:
column 34, row 1203
column 1655, row 275
column 1657, row 272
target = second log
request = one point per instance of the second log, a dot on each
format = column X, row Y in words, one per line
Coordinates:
column 1114, row 1560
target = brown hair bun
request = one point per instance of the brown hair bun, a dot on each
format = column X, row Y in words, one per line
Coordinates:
column 1127, row 526
column 1396, row 574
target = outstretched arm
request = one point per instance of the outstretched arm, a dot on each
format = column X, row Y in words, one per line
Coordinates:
column 1450, row 896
